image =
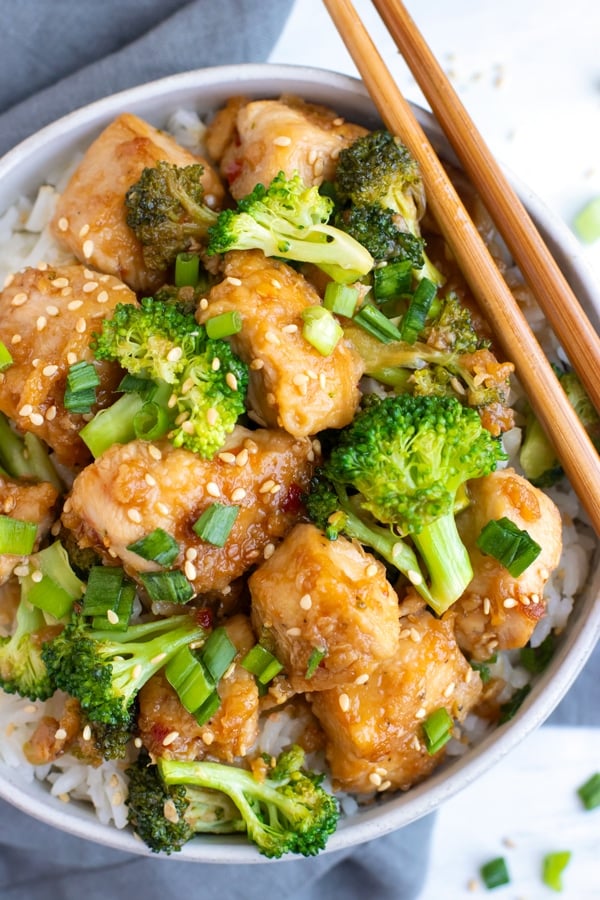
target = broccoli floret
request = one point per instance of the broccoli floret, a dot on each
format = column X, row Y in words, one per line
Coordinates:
column 22, row 668
column 166, row 210
column 287, row 812
column 376, row 229
column 538, row 457
column 157, row 341
column 378, row 170
column 408, row 458
column 105, row 670
column 289, row 220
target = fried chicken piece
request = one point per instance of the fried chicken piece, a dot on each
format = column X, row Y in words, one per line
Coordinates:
column 30, row 503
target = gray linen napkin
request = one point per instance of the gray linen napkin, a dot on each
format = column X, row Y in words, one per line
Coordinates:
column 55, row 56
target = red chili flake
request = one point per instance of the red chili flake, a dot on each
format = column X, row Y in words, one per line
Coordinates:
column 158, row 732
column 292, row 501
column 233, row 170
column 204, row 617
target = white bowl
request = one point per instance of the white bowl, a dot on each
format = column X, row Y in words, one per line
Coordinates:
column 22, row 170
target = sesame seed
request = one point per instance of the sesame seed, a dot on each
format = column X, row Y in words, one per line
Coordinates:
column 231, row 381
column 88, row 249
column 344, row 701
column 250, row 445
column 509, row 603
column 162, row 508
column 338, row 121
column 275, row 489
column 191, row 553
column 21, row 571
column 60, row 282
column 60, row 734
column 16, row 339
column 71, row 358
column 450, row 689
column 26, row 410
column 294, row 632
column 190, row 570
column 64, row 797
column 306, row 601
column 319, row 166
column 213, row 489
column 227, row 457
column 323, row 381
column 102, row 297
column 266, row 486
column 300, row 379
column 215, row 364
column 384, row 786
column 362, row 679
column 170, row 812
column 89, row 287
column 66, row 291
column 86, row 734
column 80, row 326
column 276, row 284
column 371, row 570
column 50, row 370
column 272, row 338
column 187, row 385
column 150, row 479
column 112, row 617
column 283, row 140
column 174, row 354
column 486, row 606
column 84, row 230
column 415, row 636
column 172, row 401
column 269, row 550
column 238, row 494
column 242, row 457
column 154, row 452
column 63, row 224
column 41, row 323
column 172, row 736
column 235, row 282
column 137, row 671
column 414, row 577
column 87, row 273
column 381, row 771
column 421, row 713
column 203, row 303
column 535, row 598
column 525, row 600
column 212, row 416
column 137, row 742
column 134, row 515
column 74, row 304
column 36, row 418
column 207, row 737
column 257, row 364
column 375, row 779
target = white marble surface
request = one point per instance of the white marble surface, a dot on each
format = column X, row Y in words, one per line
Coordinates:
column 528, row 71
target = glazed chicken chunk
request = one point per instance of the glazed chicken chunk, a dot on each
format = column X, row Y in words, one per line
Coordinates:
column 228, row 734
column 30, row 503
column 329, row 598
column 374, row 731
column 499, row 611
column 135, row 488
column 292, row 386
column 254, row 141
column 90, row 217
column 47, row 319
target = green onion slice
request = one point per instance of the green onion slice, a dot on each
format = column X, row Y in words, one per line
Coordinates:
column 535, row 659
column 17, row 536
column 215, row 524
column 80, row 391
column 52, row 585
column 186, row 674
column 437, row 728
column 158, row 546
column 151, row 422
column 553, row 866
column 415, row 316
column 224, row 325
column 321, row 329
column 113, row 425
column 168, row 587
column 495, row 872
column 208, row 709
column 509, row 544
column 314, row 660
column 512, row 706
column 6, row 359
column 392, row 280
column 375, row 323
column 261, row 663
column 341, row 299
column 589, row 792
column 103, row 590
column 218, row 653
column 118, row 618
column 187, row 269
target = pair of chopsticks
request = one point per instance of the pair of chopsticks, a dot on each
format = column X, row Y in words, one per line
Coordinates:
column 547, row 283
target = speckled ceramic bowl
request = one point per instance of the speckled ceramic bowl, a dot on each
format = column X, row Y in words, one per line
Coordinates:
column 22, row 170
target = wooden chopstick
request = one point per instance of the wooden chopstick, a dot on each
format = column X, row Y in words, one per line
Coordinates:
column 546, row 281
column 573, row 446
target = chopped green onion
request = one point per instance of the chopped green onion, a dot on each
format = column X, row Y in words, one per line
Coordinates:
column 80, row 392
column 484, row 667
column 26, row 457
column 509, row 544
column 6, row 359
column 392, row 280
column 208, row 709
column 587, row 221
column 113, row 425
column 186, row 674
column 151, row 422
column 341, row 299
column 438, row 730
column 52, row 585
column 375, row 323
column 589, row 792
column 511, row 707
column 224, row 325
column 321, row 329
column 314, row 660
column 553, row 865
column 535, row 659
column 122, row 612
column 415, row 316
column 215, row 524
column 495, row 873
column 187, row 269
column 167, row 587
column 261, row 663
column 145, row 387
column 17, row 536
column 218, row 653
column 158, row 546
column 103, row 590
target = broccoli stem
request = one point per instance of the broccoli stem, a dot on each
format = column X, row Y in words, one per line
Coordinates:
column 113, row 425
column 446, row 560
column 25, row 457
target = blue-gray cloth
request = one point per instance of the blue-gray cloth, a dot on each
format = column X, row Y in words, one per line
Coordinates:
column 57, row 55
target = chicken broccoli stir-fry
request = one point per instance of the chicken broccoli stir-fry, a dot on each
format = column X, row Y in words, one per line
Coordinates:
column 251, row 466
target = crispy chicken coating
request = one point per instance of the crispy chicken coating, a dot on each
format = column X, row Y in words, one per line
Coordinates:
column 499, row 611
column 255, row 140
column 292, row 386
column 90, row 217
column 30, row 503
column 47, row 319
column 330, row 598
column 134, row 488
column 374, row 730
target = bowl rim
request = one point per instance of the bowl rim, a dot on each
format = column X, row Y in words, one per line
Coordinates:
column 18, row 167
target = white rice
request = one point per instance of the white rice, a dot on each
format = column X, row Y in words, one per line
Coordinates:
column 25, row 240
